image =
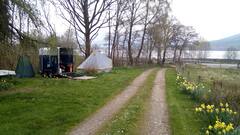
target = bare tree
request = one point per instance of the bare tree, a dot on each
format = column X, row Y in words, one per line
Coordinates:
column 176, row 39
column 87, row 17
column 152, row 12
column 167, row 33
column 133, row 8
column 231, row 53
column 121, row 7
column 68, row 39
column 188, row 37
column 201, row 49
column 162, row 33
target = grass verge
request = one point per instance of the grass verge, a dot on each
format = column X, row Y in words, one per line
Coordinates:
column 183, row 120
column 47, row 106
column 128, row 120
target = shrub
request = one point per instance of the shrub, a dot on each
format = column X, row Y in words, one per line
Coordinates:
column 197, row 90
column 222, row 112
column 4, row 85
column 91, row 71
column 220, row 128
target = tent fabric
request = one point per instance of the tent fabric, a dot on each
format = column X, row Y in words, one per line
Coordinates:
column 97, row 61
column 7, row 72
column 24, row 68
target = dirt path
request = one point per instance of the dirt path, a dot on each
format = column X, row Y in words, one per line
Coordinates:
column 97, row 120
column 156, row 119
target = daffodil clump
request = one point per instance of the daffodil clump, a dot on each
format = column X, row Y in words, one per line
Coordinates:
column 222, row 112
column 185, row 85
column 4, row 84
column 220, row 118
column 197, row 90
column 219, row 128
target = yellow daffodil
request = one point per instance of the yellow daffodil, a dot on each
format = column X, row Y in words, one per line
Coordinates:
column 207, row 132
column 203, row 106
column 223, row 109
column 229, row 127
column 209, row 107
column 196, row 109
column 210, row 127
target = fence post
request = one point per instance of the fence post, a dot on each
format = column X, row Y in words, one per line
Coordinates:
column 199, row 79
column 214, row 83
column 188, row 74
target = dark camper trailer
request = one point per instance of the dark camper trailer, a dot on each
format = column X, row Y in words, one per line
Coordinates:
column 56, row 61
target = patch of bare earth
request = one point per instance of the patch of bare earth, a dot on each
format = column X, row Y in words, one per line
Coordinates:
column 92, row 124
column 156, row 118
column 13, row 91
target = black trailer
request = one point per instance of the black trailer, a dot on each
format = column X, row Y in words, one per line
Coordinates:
column 56, row 61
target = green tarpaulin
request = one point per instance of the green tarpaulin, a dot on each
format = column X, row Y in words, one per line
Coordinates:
column 24, row 68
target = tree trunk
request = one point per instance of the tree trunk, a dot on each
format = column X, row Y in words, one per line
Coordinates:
column 129, row 43
column 114, row 42
column 87, row 29
column 181, row 49
column 174, row 54
column 123, row 49
column 130, row 48
column 142, row 42
column 144, row 31
column 164, row 56
column 150, row 52
column 159, row 55
column 109, row 35
column 180, row 54
column 87, row 45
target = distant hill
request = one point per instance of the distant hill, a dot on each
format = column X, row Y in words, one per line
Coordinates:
column 225, row 43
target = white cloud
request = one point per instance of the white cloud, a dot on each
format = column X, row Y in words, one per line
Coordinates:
column 213, row 19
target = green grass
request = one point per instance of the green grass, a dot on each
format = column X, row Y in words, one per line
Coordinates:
column 192, row 72
column 224, row 84
column 129, row 120
column 183, row 119
column 53, row 106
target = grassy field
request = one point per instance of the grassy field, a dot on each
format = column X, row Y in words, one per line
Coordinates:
column 183, row 119
column 53, row 106
column 129, row 120
column 224, row 84
column 193, row 72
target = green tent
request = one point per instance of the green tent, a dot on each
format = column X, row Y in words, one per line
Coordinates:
column 24, row 67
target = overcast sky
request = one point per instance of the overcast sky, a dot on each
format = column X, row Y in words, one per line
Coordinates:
column 213, row 19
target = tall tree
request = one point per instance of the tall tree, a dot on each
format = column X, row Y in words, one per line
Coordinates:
column 8, row 26
column 231, row 53
column 87, row 17
column 153, row 10
column 120, row 10
column 4, row 20
column 188, row 37
column 133, row 8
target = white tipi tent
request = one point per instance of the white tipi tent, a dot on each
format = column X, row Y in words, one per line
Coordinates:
column 97, row 61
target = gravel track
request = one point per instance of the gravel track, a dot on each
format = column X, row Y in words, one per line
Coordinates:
column 156, row 118
column 91, row 125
